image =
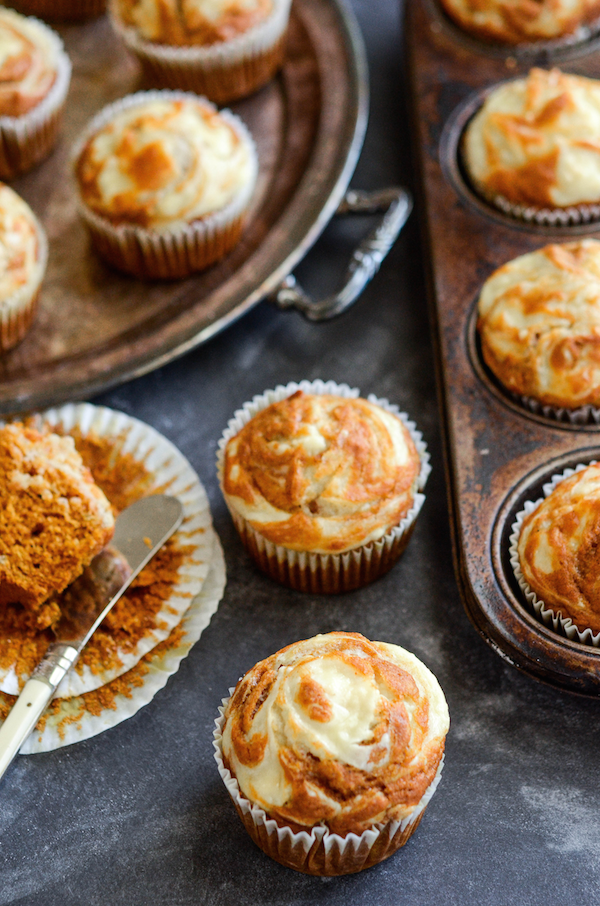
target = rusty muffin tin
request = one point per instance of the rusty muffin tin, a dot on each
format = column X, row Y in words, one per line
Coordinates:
column 498, row 452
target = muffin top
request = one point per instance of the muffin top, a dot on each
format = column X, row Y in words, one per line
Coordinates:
column 322, row 473
column 535, row 141
column 558, row 548
column 192, row 22
column 28, row 60
column 539, row 323
column 53, row 517
column 165, row 161
column 518, row 21
column 336, row 730
column 22, row 258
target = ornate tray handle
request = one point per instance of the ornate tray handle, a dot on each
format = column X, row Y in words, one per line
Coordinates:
column 366, row 259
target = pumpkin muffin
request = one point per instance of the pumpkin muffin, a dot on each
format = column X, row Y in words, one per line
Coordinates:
column 331, row 748
column 521, row 21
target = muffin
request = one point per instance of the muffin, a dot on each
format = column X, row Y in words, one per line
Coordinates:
column 539, row 325
column 53, row 517
column 331, row 749
column 61, row 10
column 521, row 21
column 164, row 183
column 557, row 550
column 23, row 256
column 34, row 79
column 322, row 486
column 223, row 49
column 532, row 146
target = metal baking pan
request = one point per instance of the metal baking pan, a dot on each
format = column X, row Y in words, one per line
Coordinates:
column 96, row 328
column 497, row 453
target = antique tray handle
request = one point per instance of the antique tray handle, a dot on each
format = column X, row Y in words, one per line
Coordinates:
column 366, row 259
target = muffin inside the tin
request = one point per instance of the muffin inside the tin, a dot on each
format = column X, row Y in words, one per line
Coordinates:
column 515, row 22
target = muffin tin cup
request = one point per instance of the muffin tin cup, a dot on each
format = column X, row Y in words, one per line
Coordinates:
column 324, row 573
column 549, row 617
column 18, row 312
column 61, row 10
column 26, row 140
column 318, row 851
column 183, row 250
column 225, row 71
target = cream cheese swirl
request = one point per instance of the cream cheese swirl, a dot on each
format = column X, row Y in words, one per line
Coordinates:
column 28, row 61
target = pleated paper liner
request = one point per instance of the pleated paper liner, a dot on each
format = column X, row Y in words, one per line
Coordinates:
column 550, row 618
column 325, row 573
column 318, row 851
column 71, row 720
column 167, row 472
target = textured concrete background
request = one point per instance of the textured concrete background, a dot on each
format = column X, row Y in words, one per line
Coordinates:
column 139, row 815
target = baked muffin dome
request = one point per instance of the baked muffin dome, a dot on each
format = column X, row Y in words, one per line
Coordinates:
column 534, row 141
column 558, row 549
column 336, row 731
column 519, row 21
column 191, row 22
column 539, row 324
column 321, row 473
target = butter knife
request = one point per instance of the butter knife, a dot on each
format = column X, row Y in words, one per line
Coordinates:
column 140, row 531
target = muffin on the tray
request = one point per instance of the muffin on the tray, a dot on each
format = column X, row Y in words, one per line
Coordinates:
column 34, row 79
column 53, row 517
column 539, row 324
column 61, row 10
column 331, row 749
column 521, row 21
column 534, row 145
column 164, row 182
column 558, row 549
column 223, row 49
column 323, row 487
column 23, row 257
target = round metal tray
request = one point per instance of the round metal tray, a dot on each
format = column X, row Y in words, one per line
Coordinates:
column 96, row 328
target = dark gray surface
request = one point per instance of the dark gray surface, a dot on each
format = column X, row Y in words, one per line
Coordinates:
column 139, row 815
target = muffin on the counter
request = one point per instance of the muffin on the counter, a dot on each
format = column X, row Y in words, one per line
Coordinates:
column 23, row 257
column 323, row 487
column 61, row 10
column 165, row 182
column 35, row 73
column 521, row 21
column 534, row 144
column 539, row 324
column 329, row 738
column 223, row 49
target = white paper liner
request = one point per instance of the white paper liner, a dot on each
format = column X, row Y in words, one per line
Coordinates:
column 172, row 474
column 17, row 311
column 28, row 138
column 334, row 845
column 162, row 665
column 545, row 614
column 176, row 244
column 583, row 415
column 312, row 564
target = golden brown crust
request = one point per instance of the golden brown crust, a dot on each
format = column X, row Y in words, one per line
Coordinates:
column 521, row 21
column 184, row 24
column 400, row 719
column 322, row 473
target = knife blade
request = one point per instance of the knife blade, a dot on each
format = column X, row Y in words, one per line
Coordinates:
column 140, row 531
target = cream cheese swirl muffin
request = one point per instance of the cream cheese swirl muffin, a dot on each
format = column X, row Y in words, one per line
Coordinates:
column 23, row 256
column 558, row 549
column 336, row 732
column 192, row 21
column 536, row 141
column 521, row 21
column 539, row 323
column 165, row 163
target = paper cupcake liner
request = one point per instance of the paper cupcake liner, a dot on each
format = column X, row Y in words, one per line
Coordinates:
column 573, row 215
column 28, row 139
column 225, row 71
column 172, row 474
column 73, row 723
column 551, row 618
column 583, row 415
column 318, row 851
column 325, row 573
column 177, row 252
column 61, row 10
column 18, row 311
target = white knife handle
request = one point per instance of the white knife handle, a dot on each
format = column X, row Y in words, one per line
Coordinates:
column 32, row 701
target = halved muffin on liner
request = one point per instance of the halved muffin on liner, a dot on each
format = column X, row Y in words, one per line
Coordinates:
column 324, row 488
